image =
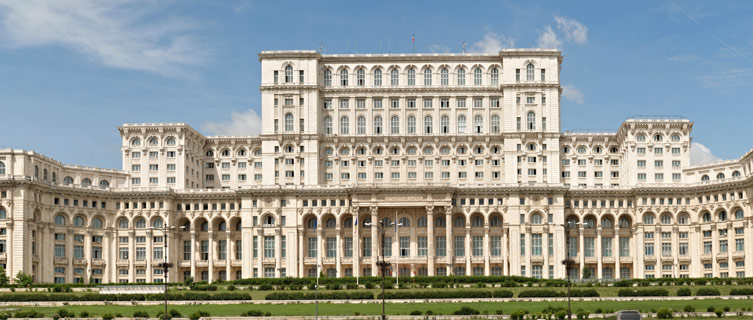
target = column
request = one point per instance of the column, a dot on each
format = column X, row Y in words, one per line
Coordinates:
column 9, row 250
column 696, row 249
column 515, row 260
column 109, row 265
column 468, row 249
column 301, row 256
column 319, row 251
column 430, row 239
column 259, row 234
column 487, row 248
column 747, row 248
column 374, row 241
column 505, row 253
column 88, row 256
column 193, row 254
column 149, row 253
column 211, row 256
column 131, row 255
column 278, row 252
column 560, row 255
column 581, row 252
column 616, row 252
column 450, row 241
column 338, row 250
column 69, row 253
column 599, row 264
column 638, row 267
column 229, row 254
column 545, row 252
column 356, row 265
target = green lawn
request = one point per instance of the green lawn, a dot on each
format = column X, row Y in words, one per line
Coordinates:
column 393, row 308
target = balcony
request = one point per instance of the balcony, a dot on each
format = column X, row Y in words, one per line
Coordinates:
column 607, row 259
column 98, row 262
column 122, row 262
column 537, row 259
column 202, row 263
column 184, row 264
column 236, row 263
column 626, row 259
column 59, row 260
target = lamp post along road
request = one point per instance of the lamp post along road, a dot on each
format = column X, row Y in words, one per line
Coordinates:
column 382, row 264
column 165, row 264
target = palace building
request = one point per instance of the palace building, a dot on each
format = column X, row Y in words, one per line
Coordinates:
column 460, row 156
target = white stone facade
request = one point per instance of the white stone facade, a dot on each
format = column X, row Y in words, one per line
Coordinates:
column 465, row 150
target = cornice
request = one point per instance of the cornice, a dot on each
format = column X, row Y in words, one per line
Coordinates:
column 412, row 90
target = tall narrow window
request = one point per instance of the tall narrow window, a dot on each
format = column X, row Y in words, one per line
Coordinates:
column 288, row 74
column 377, row 125
column 327, row 78
column 377, row 77
column 428, row 121
column 411, row 125
column 531, row 121
column 289, row 122
column 427, row 77
column 495, row 124
column 478, row 124
column 461, row 124
column 477, row 77
column 344, row 123
column 344, row 78
column 495, row 76
column 327, row 125
column 445, row 77
column 360, row 77
column 445, row 124
column 461, row 77
column 361, row 124
column 411, row 77
column 529, row 72
column 543, row 74
column 394, row 78
column 395, row 125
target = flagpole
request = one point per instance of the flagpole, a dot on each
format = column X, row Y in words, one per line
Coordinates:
column 358, row 247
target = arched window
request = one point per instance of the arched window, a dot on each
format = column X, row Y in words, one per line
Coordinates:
column 477, row 77
column 60, row 220
column 706, row 217
column 366, row 223
column 529, row 72
column 222, row 226
column 136, row 142
column 722, row 215
column 123, row 223
column 97, row 223
column 581, row 150
column 344, row 78
column 444, row 123
column 428, row 123
column 289, row 122
column 739, row 214
column 613, row 150
column 44, row 174
column 209, row 153
column 204, row 226
column 666, row 219
column 535, row 218
column 394, row 77
column 428, row 151
column 36, row 172
column 153, row 141
column 3, row 213
column 238, row 226
column 444, row 77
column 257, row 152
column 327, row 125
column 478, row 124
column 78, row 222
column 477, row 221
column 395, row 125
column 495, row 221
column 495, row 123
column 589, row 222
column 735, row 174
column 461, row 124
column 378, row 150
column 86, row 182
column 411, row 77
column 331, row 223
column 54, row 177
column 377, row 125
column 531, row 121
column 171, row 142
column 312, row 223
column 67, row 181
column 386, row 222
column 360, row 78
column 640, row 138
column 624, row 223
column 327, row 77
column 377, row 77
column 495, row 76
column 461, row 77
column 705, row 178
column 675, row 138
column 648, row 218
column 411, row 125
column 440, row 222
column 421, row 222
column 531, row 147
column 269, row 220
column 658, row 138
column 140, row 223
column 459, row 222
column 683, row 218
column 288, row 74
column 344, row 123
column 225, row 152
column 344, row 151
column 2, row 167
column 720, row 176
column 241, row 152
column 445, row 150
column 157, row 223
column 606, row 222
column 427, row 77
column 348, row 223
column 361, row 125
column 404, row 222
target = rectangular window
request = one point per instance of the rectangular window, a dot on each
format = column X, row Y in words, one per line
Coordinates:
column 536, row 244
column 459, row 246
column 423, row 246
column 441, row 246
column 405, row 246
column 624, row 247
column 387, row 246
column 606, row 246
column 496, row 246
column 522, row 244
column 348, row 247
column 312, row 247
column 478, row 246
column 366, row 246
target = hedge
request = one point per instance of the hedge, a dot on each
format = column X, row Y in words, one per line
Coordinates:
column 343, row 295
column 708, row 292
column 584, row 293
column 540, row 293
column 446, row 294
column 741, row 292
column 643, row 293
column 32, row 296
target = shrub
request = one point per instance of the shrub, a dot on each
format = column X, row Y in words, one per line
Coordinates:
column 266, row 287
column 63, row 313
column 141, row 314
column 741, row 292
column 333, row 286
column 369, row 285
column 623, row 283
column 175, row 313
column 28, row 314
column 231, row 288
column 689, row 308
column 252, row 313
column 584, row 293
column 518, row 315
column 561, row 315
column 107, row 316
column 710, row 309
column 416, row 313
column 719, row 313
column 500, row 312
column 539, row 293
column 726, row 309
column 643, row 293
column 466, row 311
column 198, row 314
column 683, row 292
column 429, row 312
column 664, row 313
column 582, row 314
column 83, row 314
column 708, row 292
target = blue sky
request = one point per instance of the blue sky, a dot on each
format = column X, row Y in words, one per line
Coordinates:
column 74, row 70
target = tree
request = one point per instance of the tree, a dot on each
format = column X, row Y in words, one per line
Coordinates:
column 3, row 277
column 588, row 272
column 24, row 279
column 188, row 281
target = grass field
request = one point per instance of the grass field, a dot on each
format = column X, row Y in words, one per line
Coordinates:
column 299, row 309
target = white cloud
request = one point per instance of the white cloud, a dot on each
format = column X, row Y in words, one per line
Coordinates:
column 569, row 92
column 492, row 43
column 548, row 39
column 574, row 30
column 438, row 48
column 116, row 33
column 700, row 154
column 240, row 124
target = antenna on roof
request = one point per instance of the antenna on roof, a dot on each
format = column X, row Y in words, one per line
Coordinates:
column 464, row 44
column 320, row 47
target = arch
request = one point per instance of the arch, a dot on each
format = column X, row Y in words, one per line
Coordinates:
column 330, row 222
column 86, row 182
column 648, row 218
column 344, row 77
column 531, row 120
column 347, row 221
column 79, row 221
column 477, row 76
column 495, row 219
column 735, row 174
column 67, row 180
column 705, row 177
column 720, row 176
column 361, row 77
column 478, row 124
column 344, row 125
column 209, row 153
column 706, row 216
column 327, row 77
column 378, row 125
column 607, row 221
column 625, row 222
column 123, row 223
column 135, row 142
column 96, row 223
column 225, row 152
column 461, row 124
column 157, row 223
column 440, row 222
column 428, row 124
column 665, row 218
column 4, row 214
column 236, row 223
column 404, row 222
column 60, row 219
column 458, row 221
column 139, row 223
column 289, row 122
column 361, row 125
column 675, row 137
column 288, row 74
column 327, row 125
column 153, row 141
column 2, row 167
column 721, row 215
column 241, row 152
column 394, row 77
column 571, row 221
column 104, row 184
column 377, row 77
column 386, row 222
column 170, row 141
column 658, row 137
column 535, row 218
column 311, row 221
column 640, row 137
column 530, row 72
column 421, row 222
column 477, row 220
column 589, row 221
column 444, row 76
column 460, row 74
column 184, row 224
column 683, row 218
column 739, row 213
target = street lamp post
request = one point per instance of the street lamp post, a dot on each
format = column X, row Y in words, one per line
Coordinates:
column 382, row 264
column 165, row 265
column 568, row 262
